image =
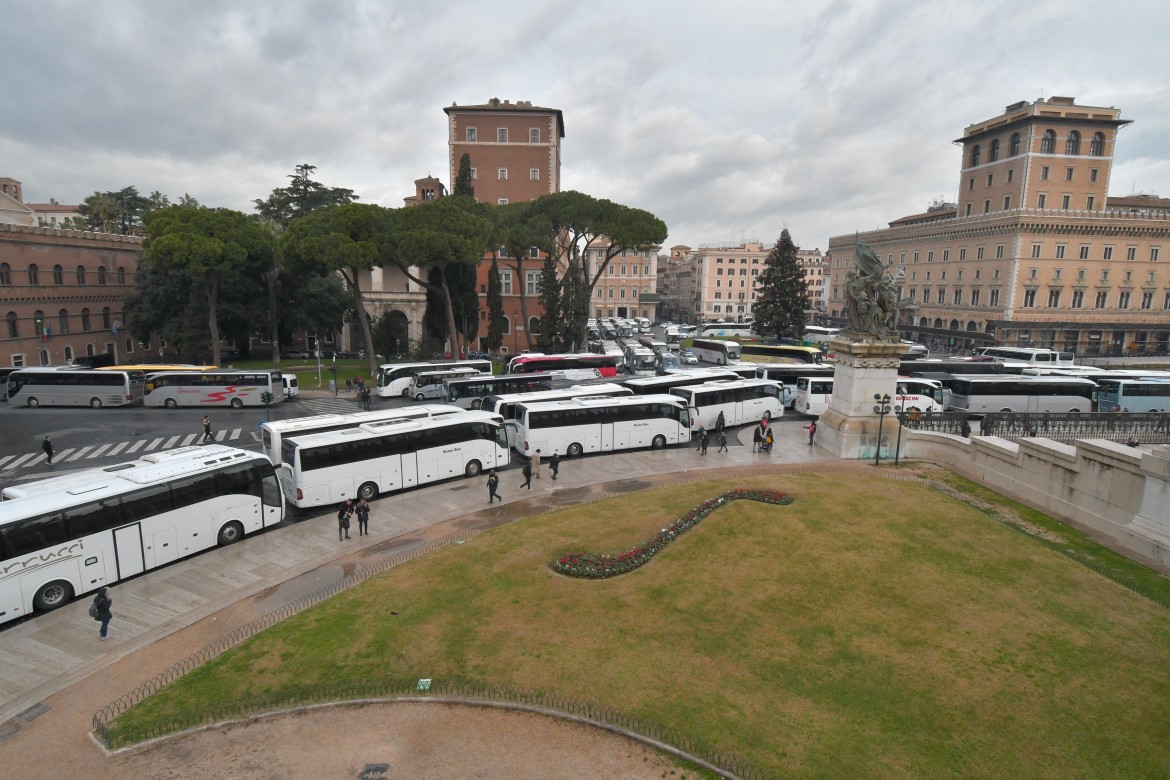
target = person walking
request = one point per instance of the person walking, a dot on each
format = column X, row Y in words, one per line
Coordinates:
column 722, row 441
column 207, row 429
column 703, row 442
column 527, row 472
column 343, row 515
column 699, row 436
column 493, row 482
column 719, row 423
column 966, row 429
column 101, row 611
column 536, row 464
column 47, row 446
column 769, row 440
column 554, row 464
column 812, row 431
column 757, row 439
column 363, row 516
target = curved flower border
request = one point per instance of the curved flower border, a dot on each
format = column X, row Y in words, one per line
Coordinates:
column 597, row 566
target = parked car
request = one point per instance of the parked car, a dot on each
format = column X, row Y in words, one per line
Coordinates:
column 688, row 357
column 479, row 356
column 297, row 354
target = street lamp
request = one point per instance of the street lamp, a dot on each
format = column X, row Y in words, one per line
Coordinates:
column 881, row 409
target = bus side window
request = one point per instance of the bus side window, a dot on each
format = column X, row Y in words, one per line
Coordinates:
column 94, row 517
column 34, row 534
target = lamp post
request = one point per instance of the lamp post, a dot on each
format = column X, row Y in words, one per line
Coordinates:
column 881, row 409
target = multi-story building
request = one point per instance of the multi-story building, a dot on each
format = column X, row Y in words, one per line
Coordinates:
column 722, row 281
column 1033, row 252
column 628, row 288
column 515, row 151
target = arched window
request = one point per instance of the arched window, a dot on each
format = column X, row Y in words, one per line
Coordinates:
column 39, row 322
column 1048, row 142
column 534, row 324
column 34, row 276
column 58, row 275
column 924, row 323
column 68, row 354
column 107, row 322
column 13, row 327
column 975, row 155
column 1015, row 148
column 101, row 274
column 938, row 323
column 993, row 151
column 1073, row 144
column 121, row 275
column 85, row 321
column 1097, row 145
column 81, row 274
column 63, row 321
column 507, row 325
column 5, row 274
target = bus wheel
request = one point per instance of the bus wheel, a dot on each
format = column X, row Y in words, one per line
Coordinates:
column 230, row 534
column 477, row 403
column 368, row 491
column 52, row 595
column 574, row 450
column 171, row 403
column 237, row 403
column 33, row 403
column 95, row 403
column 419, row 397
column 1074, row 411
column 659, row 442
column 473, row 468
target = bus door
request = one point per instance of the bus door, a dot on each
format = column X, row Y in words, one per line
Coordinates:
column 128, row 550
column 512, row 428
column 607, row 437
column 408, row 470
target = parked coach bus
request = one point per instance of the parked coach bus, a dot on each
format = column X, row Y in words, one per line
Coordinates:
column 976, row 394
column 787, row 374
column 429, row 384
column 212, row 388
column 1133, row 395
column 468, row 392
column 274, row 432
column 68, row 535
column 721, row 353
column 506, row 405
column 741, row 401
column 74, row 387
column 384, row 457
column 571, row 368
column 780, row 353
column 653, row 385
column 393, row 379
column 579, row 425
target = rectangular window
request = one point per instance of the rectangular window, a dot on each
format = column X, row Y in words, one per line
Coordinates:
column 1084, row 252
column 1056, row 273
column 471, row 134
column 474, row 175
column 534, row 135
column 962, row 254
column 1078, row 299
column 974, row 297
column 534, row 174
column 971, row 184
column 946, row 255
column 1011, row 175
column 1068, row 174
column 1090, row 202
column 999, row 251
column 987, row 206
column 990, row 178
column 1108, row 255
column 1131, row 253
column 915, row 257
column 942, row 296
column 1065, row 200
column 958, row 298
column 1093, row 174
column 1035, row 250
column 502, row 135
column 979, row 253
column 502, row 174
column 1081, row 275
column 995, row 274
column 1032, row 272
column 1042, row 200
column 1123, row 300
column 1044, row 173
column 1147, row 300
column 929, row 256
column 968, row 210
column 1166, row 301
column 1029, row 299
column 506, row 282
column 1060, row 251
column 1102, row 299
column 1054, row 299
column 1007, row 202
column 1153, row 254
column 501, row 201
column 993, row 298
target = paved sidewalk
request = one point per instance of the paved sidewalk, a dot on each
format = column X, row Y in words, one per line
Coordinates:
column 54, row 673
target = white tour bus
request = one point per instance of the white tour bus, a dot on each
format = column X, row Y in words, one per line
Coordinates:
column 274, row 432
column 469, row 392
column 787, row 374
column 68, row 535
column 1037, row 357
column 506, row 405
column 1133, row 395
column 652, row 385
column 429, row 384
column 578, row 425
column 641, row 361
column 990, row 393
column 741, row 401
column 813, row 394
column 68, row 386
column 644, row 324
column 721, row 353
column 382, row 457
column 212, row 388
column 742, row 329
column 393, row 379
column 819, row 335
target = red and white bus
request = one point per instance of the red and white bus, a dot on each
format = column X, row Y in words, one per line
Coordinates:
column 573, row 368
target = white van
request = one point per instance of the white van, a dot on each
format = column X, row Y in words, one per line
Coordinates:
column 291, row 388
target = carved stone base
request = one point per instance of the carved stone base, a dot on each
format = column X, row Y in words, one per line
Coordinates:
column 849, row 429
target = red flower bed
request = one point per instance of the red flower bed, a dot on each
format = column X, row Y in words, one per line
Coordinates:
column 600, row 565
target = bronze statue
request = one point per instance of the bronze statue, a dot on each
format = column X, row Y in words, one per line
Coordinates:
column 871, row 298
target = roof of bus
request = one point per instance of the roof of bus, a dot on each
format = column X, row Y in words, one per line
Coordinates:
column 1016, row 378
column 727, row 384
column 591, row 402
column 385, row 427
column 692, row 373
column 534, row 376
column 157, row 367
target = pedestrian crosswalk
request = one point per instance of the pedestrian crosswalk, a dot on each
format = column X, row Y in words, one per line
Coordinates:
column 341, row 404
column 239, row 437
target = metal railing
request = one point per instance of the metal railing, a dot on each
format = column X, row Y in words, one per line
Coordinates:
column 1120, row 427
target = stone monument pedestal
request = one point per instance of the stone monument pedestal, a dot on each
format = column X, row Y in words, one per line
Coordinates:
column 865, row 367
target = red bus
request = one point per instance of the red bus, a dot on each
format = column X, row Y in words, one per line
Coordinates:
column 574, row 368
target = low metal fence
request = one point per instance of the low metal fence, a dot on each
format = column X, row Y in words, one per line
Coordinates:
column 1120, row 427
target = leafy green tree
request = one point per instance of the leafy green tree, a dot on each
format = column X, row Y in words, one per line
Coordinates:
column 119, row 211
column 213, row 247
column 574, row 306
column 345, row 239
column 782, row 296
column 450, row 231
column 519, row 228
column 461, row 281
column 434, row 322
column 391, row 332
column 463, row 180
column 495, row 304
column 551, row 336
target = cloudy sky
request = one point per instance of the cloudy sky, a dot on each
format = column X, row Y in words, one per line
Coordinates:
column 729, row 120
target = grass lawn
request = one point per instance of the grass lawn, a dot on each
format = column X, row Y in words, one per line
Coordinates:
column 871, row 629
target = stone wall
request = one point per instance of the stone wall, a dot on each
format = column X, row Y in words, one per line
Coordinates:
column 1120, row 492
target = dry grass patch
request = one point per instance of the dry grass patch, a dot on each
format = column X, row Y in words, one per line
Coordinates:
column 872, row 629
